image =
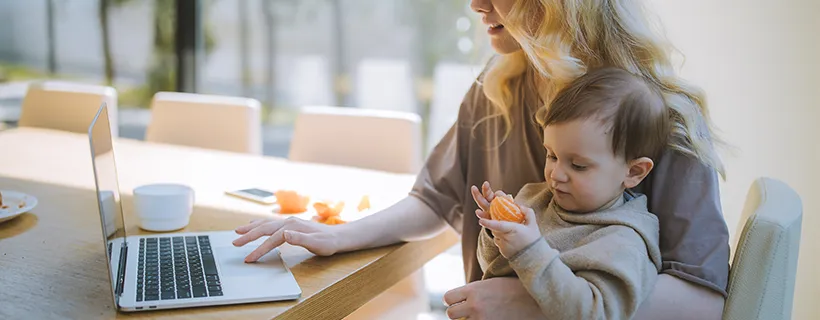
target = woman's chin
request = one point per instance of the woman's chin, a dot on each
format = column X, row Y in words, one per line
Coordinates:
column 504, row 44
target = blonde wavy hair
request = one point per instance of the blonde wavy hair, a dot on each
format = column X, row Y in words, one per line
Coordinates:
column 560, row 40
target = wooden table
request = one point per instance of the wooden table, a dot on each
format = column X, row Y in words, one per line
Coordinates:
column 52, row 261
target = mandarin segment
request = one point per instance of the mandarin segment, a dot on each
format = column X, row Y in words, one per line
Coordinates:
column 504, row 208
column 333, row 220
column 364, row 204
column 325, row 209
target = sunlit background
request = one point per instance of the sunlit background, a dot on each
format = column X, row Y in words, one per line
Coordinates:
column 408, row 55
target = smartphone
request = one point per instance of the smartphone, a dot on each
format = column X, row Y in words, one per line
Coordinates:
column 254, row 194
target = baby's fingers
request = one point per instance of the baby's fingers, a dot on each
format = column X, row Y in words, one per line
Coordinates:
column 479, row 198
column 488, row 192
column 481, row 214
column 529, row 215
column 497, row 226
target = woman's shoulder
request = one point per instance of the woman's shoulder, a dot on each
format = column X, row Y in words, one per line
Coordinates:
column 676, row 164
column 477, row 107
column 680, row 183
column 475, row 97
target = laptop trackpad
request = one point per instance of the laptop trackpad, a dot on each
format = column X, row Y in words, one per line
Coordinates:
column 232, row 264
column 268, row 277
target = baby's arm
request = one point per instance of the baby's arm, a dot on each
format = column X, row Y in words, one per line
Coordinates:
column 614, row 275
column 492, row 263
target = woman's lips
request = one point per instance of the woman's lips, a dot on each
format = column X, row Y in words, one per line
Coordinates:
column 495, row 28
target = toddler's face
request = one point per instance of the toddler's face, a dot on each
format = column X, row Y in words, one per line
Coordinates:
column 581, row 169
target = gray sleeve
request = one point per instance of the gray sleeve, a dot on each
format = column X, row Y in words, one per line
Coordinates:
column 614, row 276
column 694, row 239
column 490, row 259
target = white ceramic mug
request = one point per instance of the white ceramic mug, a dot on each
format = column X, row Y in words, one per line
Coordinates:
column 163, row 207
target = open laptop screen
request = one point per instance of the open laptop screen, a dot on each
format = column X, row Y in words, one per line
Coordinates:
column 108, row 197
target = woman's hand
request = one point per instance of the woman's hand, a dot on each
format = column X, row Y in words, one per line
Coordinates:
column 320, row 239
column 496, row 298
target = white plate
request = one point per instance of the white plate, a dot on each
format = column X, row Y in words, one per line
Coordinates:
column 15, row 203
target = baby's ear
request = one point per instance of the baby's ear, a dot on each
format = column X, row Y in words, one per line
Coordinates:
column 638, row 170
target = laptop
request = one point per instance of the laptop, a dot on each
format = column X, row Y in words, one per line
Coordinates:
column 176, row 270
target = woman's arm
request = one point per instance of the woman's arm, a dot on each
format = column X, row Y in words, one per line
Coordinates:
column 407, row 220
column 506, row 298
column 434, row 201
column 684, row 194
column 674, row 298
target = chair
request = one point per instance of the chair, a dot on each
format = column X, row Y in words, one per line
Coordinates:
column 206, row 121
column 762, row 275
column 365, row 138
column 373, row 139
column 66, row 106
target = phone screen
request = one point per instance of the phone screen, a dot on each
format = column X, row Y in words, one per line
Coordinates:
column 257, row 192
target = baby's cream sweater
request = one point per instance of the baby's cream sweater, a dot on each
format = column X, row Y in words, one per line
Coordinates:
column 598, row 265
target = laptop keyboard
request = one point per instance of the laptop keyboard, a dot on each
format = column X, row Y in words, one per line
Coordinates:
column 176, row 268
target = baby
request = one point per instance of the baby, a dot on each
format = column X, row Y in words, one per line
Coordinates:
column 588, row 247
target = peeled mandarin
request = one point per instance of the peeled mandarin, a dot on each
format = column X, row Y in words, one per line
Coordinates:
column 291, row 202
column 504, row 208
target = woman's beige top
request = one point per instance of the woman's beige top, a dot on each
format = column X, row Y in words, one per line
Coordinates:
column 681, row 191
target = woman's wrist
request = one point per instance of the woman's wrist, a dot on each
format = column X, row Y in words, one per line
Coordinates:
column 349, row 236
column 408, row 220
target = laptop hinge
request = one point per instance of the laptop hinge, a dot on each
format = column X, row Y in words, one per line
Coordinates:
column 121, row 268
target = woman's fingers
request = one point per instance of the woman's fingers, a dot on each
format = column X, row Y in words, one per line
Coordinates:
column 248, row 227
column 456, row 301
column 275, row 240
column 458, row 311
column 267, row 228
column 455, row 296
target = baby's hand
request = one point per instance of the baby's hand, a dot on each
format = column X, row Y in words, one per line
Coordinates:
column 511, row 237
column 484, row 196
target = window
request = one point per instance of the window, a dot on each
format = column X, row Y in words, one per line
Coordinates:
column 66, row 40
column 409, row 55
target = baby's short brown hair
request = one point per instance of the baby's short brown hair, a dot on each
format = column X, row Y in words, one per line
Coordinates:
column 633, row 110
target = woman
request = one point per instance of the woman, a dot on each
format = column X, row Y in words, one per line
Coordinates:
column 543, row 45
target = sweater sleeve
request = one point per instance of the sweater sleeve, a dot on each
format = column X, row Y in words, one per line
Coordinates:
column 613, row 275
